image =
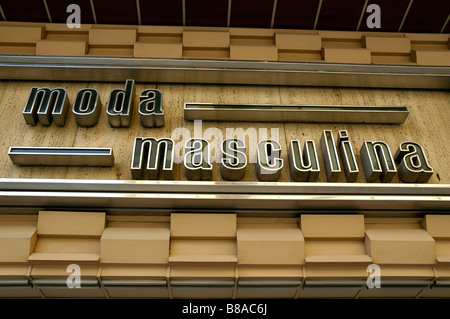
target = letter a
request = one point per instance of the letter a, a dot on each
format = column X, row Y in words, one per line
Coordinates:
column 74, row 20
column 374, row 20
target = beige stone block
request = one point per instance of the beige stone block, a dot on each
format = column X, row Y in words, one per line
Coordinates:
column 428, row 37
column 62, row 27
column 203, row 252
column 287, row 55
column 206, row 247
column 400, row 246
column 116, row 51
column 387, row 44
column 134, row 245
column 18, row 34
column 63, row 258
column 438, row 226
column 60, row 271
column 270, row 246
column 206, row 29
column 115, row 26
column 253, row 52
column 112, row 36
column 428, row 41
column 22, row 24
column 62, row 250
column 251, row 32
column 202, row 260
column 203, row 225
column 266, row 272
column 202, row 273
column 425, row 57
column 133, row 271
column 443, row 271
column 201, row 53
column 159, row 29
column 14, row 270
column 338, row 55
column 340, row 35
column 18, row 49
column 338, row 260
column 64, row 48
column 61, row 223
column 294, row 31
column 444, row 260
column 334, row 246
column 383, row 34
column 67, row 245
column 336, row 271
column 407, row 272
column 205, row 39
column 160, row 34
column 308, row 42
column 442, row 248
column 332, row 226
column 158, row 50
column 16, row 243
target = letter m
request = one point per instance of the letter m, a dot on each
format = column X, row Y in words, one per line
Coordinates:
column 150, row 150
column 45, row 104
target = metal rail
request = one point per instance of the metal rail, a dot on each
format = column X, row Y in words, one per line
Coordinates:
column 110, row 69
column 35, row 194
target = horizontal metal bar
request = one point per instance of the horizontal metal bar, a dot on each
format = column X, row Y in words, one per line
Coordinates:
column 443, row 282
column 133, row 283
column 63, row 282
column 386, row 283
column 17, row 282
column 61, row 156
column 223, row 196
column 268, row 282
column 221, row 187
column 200, row 282
column 225, row 202
column 110, row 69
column 335, row 282
column 296, row 113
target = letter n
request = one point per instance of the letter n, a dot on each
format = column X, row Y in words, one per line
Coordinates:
column 377, row 161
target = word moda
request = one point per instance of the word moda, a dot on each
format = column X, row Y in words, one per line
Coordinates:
column 45, row 105
column 377, row 160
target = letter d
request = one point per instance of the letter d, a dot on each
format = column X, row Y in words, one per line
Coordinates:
column 120, row 105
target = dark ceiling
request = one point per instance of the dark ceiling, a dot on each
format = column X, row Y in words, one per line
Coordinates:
column 423, row 16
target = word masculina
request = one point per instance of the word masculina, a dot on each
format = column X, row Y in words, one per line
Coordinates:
column 156, row 158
